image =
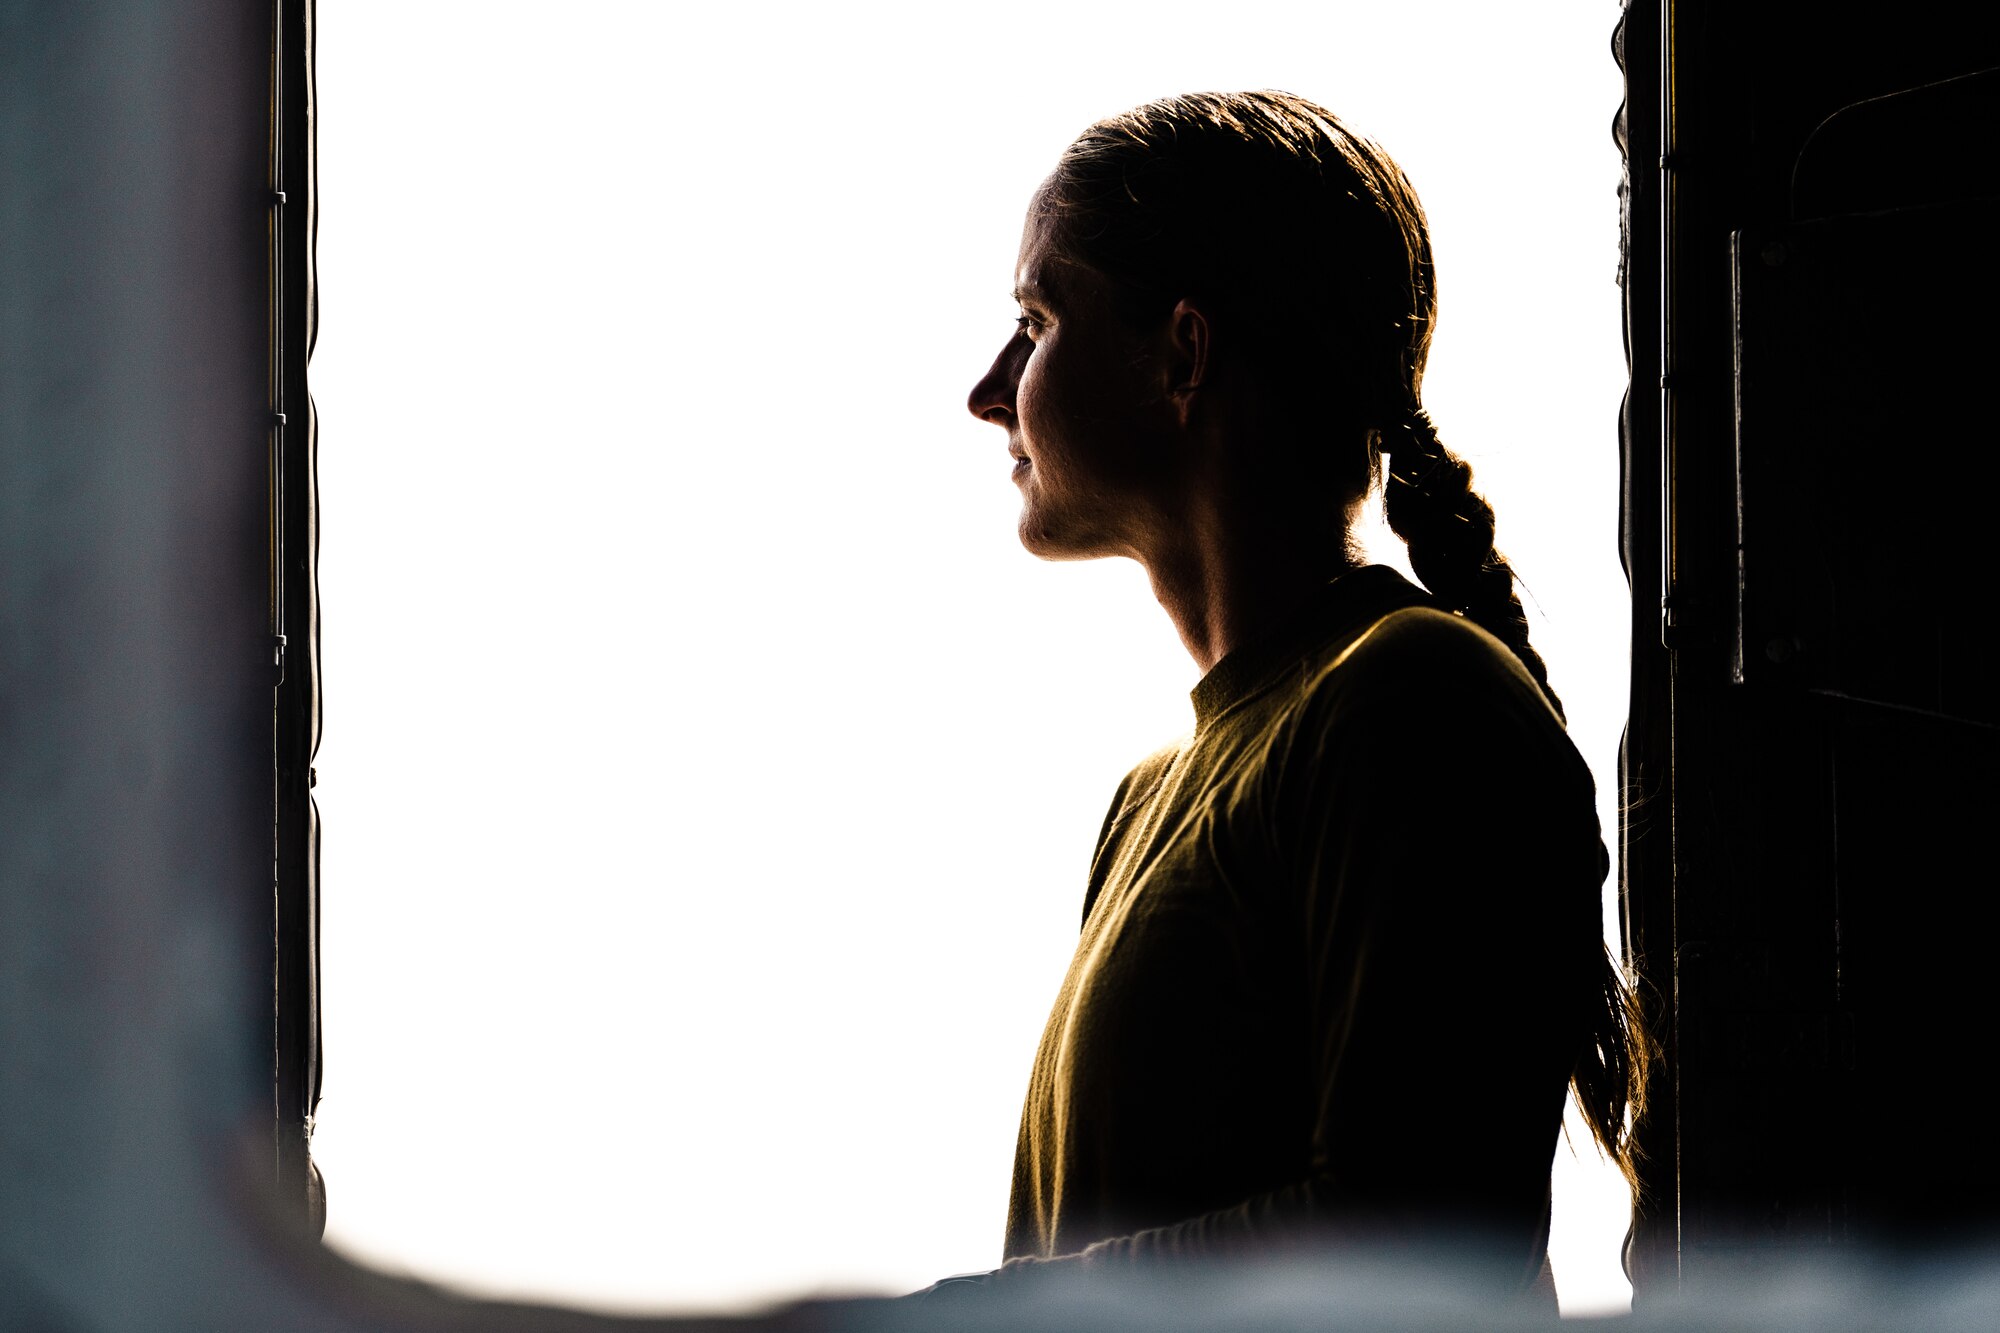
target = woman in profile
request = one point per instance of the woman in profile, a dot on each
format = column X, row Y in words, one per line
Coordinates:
column 1341, row 953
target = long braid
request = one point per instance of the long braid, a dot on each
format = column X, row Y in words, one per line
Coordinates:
column 1430, row 503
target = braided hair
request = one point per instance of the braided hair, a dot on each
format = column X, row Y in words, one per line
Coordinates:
column 1448, row 526
column 1310, row 239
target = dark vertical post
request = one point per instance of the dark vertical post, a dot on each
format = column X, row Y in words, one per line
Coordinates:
column 295, row 729
column 1812, row 716
column 1645, row 757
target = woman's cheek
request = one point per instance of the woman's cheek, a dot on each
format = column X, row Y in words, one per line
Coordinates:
column 1031, row 399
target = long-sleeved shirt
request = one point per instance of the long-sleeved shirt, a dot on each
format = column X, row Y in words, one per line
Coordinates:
column 1338, row 956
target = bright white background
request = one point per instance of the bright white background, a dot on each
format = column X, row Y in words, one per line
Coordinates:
column 709, row 778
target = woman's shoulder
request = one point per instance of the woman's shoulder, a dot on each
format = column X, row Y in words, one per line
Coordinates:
column 1425, row 701
column 1145, row 776
column 1425, row 651
column 1418, row 683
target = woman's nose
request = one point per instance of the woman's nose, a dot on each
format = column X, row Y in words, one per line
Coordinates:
column 992, row 399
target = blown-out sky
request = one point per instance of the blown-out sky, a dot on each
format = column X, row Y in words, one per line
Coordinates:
column 709, row 778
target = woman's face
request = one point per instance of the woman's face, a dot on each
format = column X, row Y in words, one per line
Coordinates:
column 1083, row 398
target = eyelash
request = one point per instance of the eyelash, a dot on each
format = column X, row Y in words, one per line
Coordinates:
column 1027, row 324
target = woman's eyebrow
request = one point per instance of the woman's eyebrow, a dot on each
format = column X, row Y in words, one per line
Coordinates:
column 1027, row 293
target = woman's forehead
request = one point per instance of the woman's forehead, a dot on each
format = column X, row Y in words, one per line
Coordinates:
column 1044, row 272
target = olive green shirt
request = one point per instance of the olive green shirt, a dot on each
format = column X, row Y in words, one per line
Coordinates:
column 1338, row 956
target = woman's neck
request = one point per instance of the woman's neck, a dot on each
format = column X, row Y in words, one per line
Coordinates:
column 1229, row 574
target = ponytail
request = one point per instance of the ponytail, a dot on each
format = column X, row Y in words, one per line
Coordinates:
column 1611, row 1076
column 1430, row 504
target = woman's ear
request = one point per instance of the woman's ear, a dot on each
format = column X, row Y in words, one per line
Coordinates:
column 1188, row 353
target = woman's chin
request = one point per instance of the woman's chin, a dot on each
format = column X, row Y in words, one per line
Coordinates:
column 1046, row 540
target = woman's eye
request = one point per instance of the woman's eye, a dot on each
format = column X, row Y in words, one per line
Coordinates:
column 1029, row 326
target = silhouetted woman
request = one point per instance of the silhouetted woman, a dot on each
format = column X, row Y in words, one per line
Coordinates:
column 1341, row 950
